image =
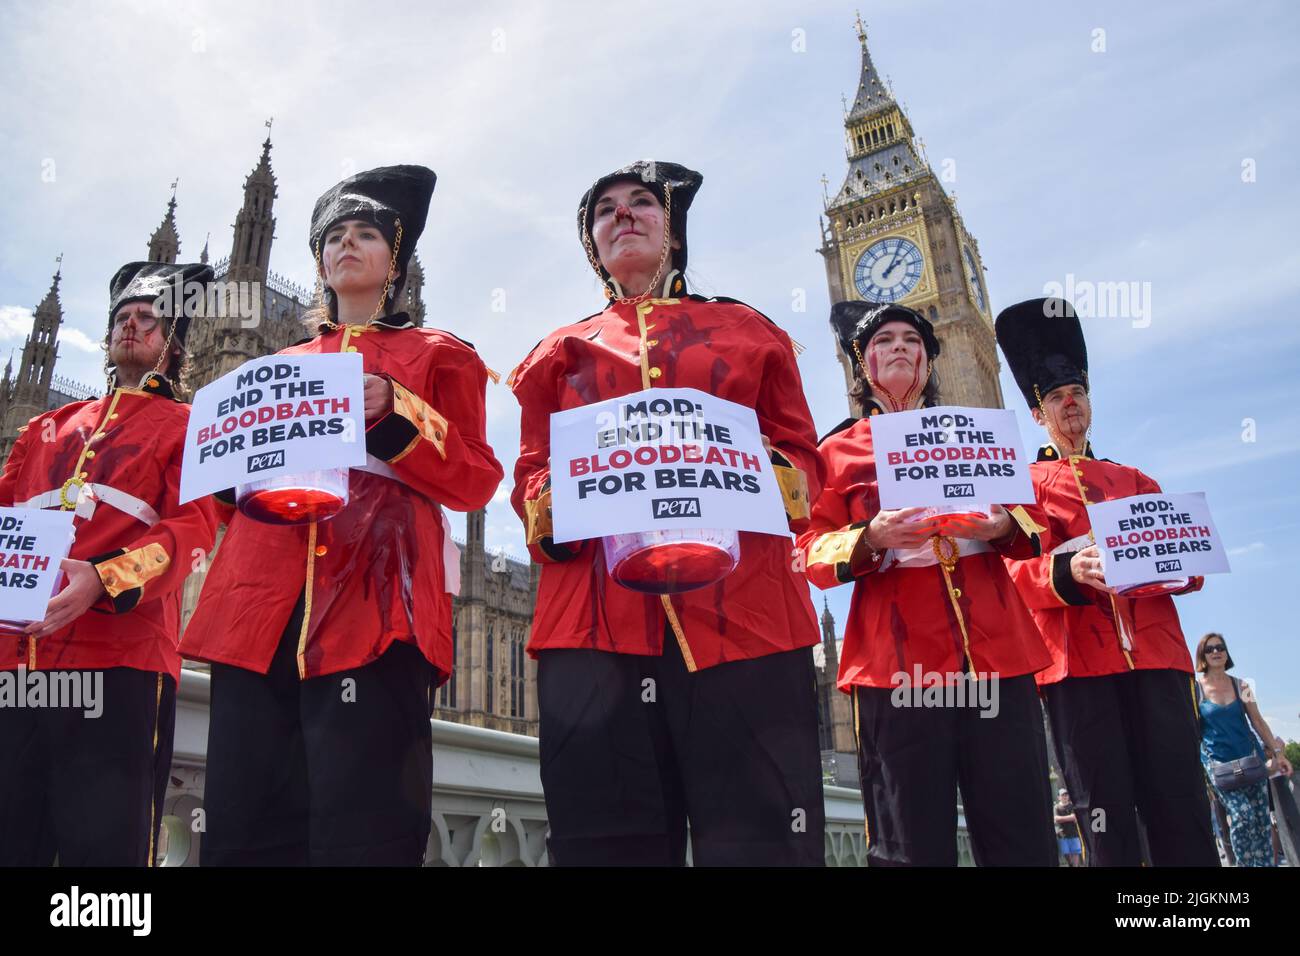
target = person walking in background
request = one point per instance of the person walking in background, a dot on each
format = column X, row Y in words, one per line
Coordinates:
column 1067, row 829
column 1236, row 762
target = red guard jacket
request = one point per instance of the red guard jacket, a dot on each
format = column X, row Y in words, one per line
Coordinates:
column 374, row 573
column 719, row 346
column 906, row 612
column 1089, row 632
column 116, row 462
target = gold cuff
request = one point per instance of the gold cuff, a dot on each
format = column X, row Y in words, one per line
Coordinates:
column 794, row 491
column 431, row 425
column 1027, row 524
column 133, row 569
column 538, row 513
column 835, row 547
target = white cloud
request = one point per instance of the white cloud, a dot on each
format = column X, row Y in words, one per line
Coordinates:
column 1247, row 549
column 78, row 339
column 15, row 323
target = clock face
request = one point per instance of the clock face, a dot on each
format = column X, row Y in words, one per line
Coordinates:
column 888, row 270
column 975, row 279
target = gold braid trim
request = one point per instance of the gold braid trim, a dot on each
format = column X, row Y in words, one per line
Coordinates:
column 676, row 625
column 306, row 603
column 948, row 554
column 153, row 799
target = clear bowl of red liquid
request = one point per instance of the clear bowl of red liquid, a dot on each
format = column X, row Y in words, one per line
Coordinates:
column 671, row 562
column 294, row 499
column 1151, row 588
column 951, row 516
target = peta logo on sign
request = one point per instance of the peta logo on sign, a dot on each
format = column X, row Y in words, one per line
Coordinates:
column 271, row 459
column 1164, row 567
column 676, row 507
column 959, row 491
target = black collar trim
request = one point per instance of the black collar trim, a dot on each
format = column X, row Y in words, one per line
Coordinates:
column 398, row 320
column 155, row 383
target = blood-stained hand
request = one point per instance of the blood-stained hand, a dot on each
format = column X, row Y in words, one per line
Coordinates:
column 995, row 527
column 897, row 529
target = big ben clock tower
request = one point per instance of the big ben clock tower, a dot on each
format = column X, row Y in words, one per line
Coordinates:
column 891, row 234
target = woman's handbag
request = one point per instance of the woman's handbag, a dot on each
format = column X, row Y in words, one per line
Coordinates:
column 1236, row 774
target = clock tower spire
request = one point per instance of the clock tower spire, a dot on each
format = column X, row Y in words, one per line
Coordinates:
column 892, row 234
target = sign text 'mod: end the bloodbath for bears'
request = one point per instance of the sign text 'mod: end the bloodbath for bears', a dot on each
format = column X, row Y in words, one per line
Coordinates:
column 295, row 400
column 964, row 457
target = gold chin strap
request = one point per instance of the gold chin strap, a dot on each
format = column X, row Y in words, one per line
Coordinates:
column 166, row 354
column 392, row 272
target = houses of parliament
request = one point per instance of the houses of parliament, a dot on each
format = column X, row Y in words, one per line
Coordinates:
column 890, row 210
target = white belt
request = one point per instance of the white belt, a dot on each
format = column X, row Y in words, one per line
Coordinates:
column 89, row 496
column 924, row 556
column 450, row 550
column 1074, row 544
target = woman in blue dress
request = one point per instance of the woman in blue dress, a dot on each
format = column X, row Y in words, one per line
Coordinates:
column 1228, row 714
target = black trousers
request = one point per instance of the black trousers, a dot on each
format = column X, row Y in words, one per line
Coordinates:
column 913, row 759
column 88, row 790
column 330, row 771
column 632, row 747
column 1129, row 744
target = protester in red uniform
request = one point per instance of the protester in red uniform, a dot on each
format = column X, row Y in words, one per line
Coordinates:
column 326, row 639
column 935, row 607
column 1119, row 692
column 89, row 787
column 701, row 705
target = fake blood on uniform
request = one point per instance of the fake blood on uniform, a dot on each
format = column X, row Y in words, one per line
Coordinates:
column 377, row 573
column 902, row 618
column 726, row 349
column 1077, row 621
column 136, row 436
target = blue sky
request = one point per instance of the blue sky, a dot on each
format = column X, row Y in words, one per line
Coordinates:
column 1122, row 165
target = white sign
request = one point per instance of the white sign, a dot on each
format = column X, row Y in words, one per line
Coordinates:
column 950, row 456
column 661, row 459
column 32, row 545
column 1156, row 538
column 274, row 416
